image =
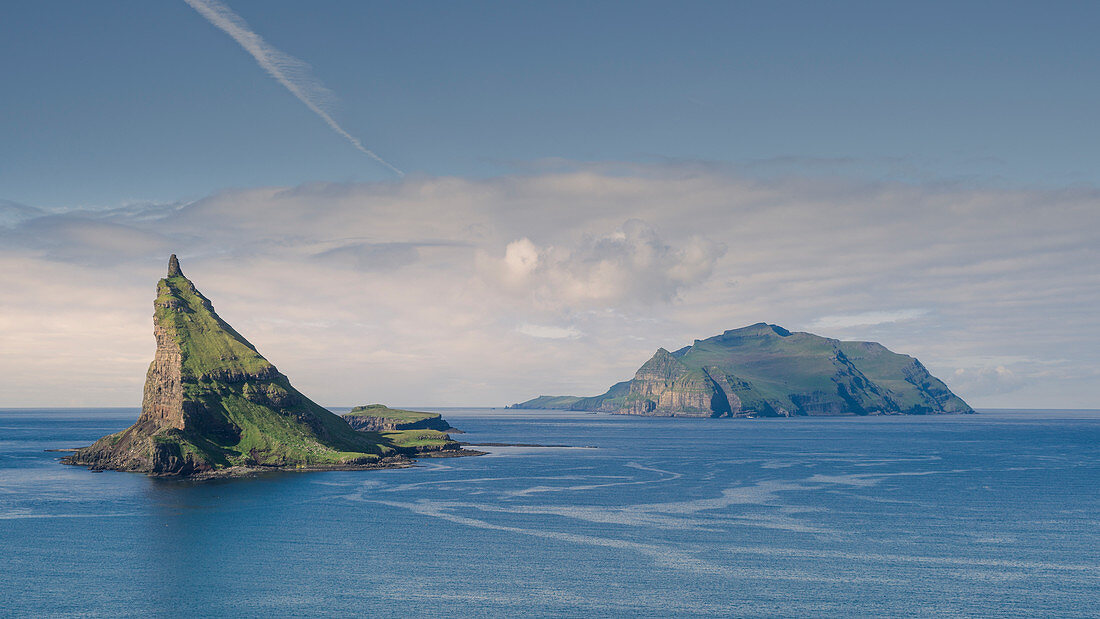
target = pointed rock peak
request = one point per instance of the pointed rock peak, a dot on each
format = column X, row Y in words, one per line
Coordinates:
column 662, row 358
column 663, row 365
column 174, row 267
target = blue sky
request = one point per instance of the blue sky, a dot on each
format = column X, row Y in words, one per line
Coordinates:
column 585, row 182
column 110, row 102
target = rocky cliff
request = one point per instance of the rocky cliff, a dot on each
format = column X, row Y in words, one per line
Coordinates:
column 766, row 371
column 214, row 406
column 665, row 384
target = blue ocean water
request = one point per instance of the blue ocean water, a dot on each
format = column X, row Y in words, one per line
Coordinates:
column 996, row 514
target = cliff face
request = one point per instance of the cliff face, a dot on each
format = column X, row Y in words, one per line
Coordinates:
column 665, row 386
column 213, row 403
column 765, row 370
column 162, row 402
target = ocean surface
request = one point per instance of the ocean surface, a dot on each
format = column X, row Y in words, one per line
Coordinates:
column 996, row 514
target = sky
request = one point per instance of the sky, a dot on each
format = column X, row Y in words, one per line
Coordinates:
column 446, row 204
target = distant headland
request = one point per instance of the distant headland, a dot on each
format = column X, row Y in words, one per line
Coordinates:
column 764, row 370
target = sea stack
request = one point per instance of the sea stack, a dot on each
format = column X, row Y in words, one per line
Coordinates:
column 214, row 406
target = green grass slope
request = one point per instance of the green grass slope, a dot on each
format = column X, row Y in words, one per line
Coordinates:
column 236, row 409
column 231, row 385
column 381, row 418
column 382, row 411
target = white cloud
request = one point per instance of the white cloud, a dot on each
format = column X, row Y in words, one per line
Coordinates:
column 387, row 291
column 521, row 257
column 629, row 264
column 866, row 319
column 987, row 381
column 548, row 332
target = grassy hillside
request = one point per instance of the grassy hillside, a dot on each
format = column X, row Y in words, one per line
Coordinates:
column 766, row 370
column 213, row 402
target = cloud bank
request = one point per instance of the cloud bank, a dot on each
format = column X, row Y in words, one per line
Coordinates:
column 866, row 319
column 292, row 73
column 446, row 291
column 631, row 263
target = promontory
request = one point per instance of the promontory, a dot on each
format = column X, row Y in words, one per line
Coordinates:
column 213, row 406
column 763, row 370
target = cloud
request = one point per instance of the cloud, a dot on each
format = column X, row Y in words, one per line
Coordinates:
column 629, row 264
column 987, row 381
column 12, row 213
column 292, row 73
column 521, row 258
column 371, row 256
column 548, row 332
column 77, row 237
column 448, row 291
column 866, row 319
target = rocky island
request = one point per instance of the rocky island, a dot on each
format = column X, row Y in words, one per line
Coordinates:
column 214, row 407
column 763, row 370
column 381, row 418
column 425, row 432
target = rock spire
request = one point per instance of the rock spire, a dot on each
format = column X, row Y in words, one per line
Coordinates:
column 174, row 267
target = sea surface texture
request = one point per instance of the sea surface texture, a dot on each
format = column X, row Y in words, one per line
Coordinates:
column 996, row 514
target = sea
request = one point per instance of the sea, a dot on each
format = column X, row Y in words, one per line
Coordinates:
column 988, row 515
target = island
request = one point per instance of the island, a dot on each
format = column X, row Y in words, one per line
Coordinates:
column 381, row 418
column 213, row 406
column 763, row 370
column 425, row 432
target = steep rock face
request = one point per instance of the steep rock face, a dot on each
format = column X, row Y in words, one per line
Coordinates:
column 162, row 402
column 665, row 386
column 726, row 401
column 765, row 370
column 212, row 402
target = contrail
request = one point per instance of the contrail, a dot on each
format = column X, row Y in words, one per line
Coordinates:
column 287, row 70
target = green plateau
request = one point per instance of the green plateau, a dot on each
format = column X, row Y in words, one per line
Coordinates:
column 379, row 418
column 763, row 370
